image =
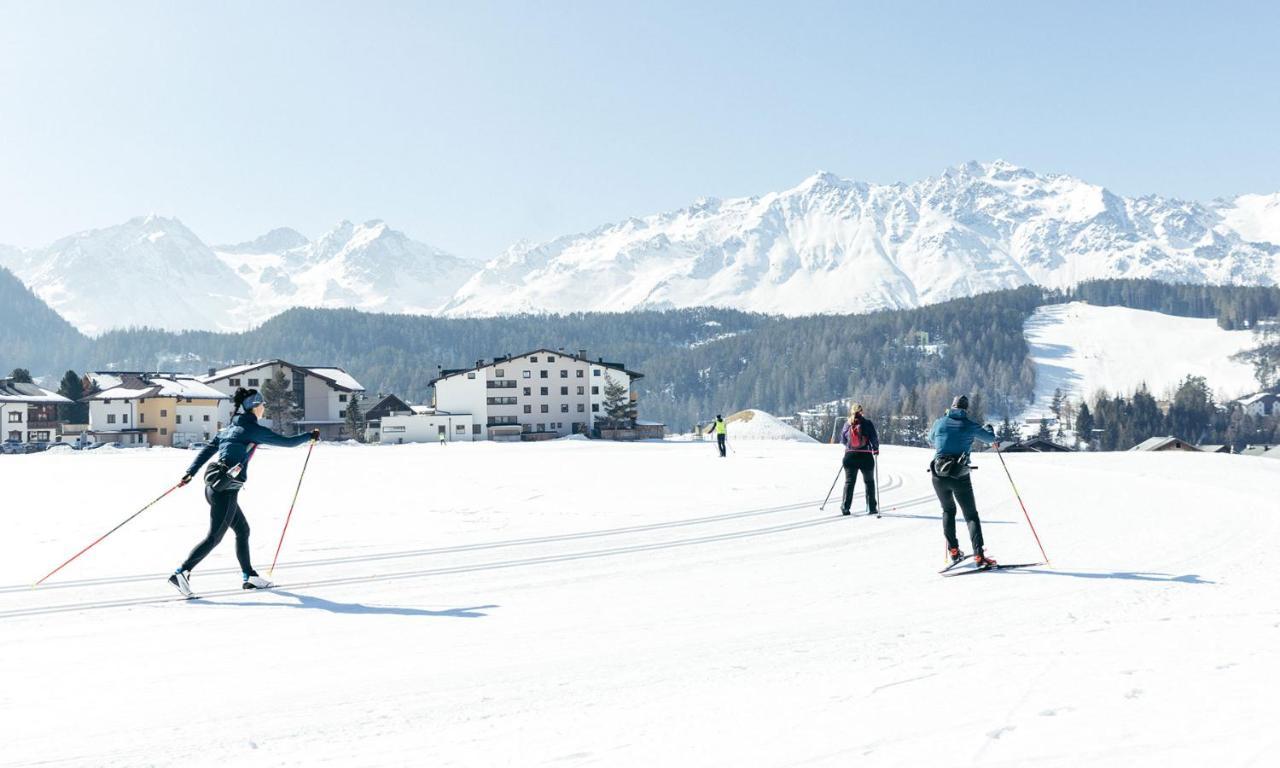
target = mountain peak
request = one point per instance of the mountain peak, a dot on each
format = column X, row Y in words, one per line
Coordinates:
column 277, row 240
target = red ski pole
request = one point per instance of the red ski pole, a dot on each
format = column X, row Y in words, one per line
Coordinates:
column 108, row 533
column 289, row 516
column 1024, row 506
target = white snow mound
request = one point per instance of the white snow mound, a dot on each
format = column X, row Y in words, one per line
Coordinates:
column 752, row 424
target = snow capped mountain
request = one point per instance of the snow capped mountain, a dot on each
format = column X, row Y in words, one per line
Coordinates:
column 834, row 245
column 149, row 271
column 368, row 266
column 826, row 245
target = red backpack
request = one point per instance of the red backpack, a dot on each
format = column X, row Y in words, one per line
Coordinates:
column 857, row 441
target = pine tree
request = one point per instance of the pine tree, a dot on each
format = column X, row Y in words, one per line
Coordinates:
column 1007, row 432
column 1043, row 432
column 278, row 397
column 355, row 419
column 72, row 388
column 616, row 402
column 1056, row 404
column 1084, row 425
column 21, row 376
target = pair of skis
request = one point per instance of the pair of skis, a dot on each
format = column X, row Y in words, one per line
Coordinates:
column 954, row 568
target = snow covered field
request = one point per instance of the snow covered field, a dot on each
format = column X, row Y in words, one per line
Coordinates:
column 1083, row 348
column 579, row 603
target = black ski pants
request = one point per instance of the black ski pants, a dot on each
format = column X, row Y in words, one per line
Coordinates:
column 951, row 490
column 224, row 513
column 855, row 462
column 721, row 444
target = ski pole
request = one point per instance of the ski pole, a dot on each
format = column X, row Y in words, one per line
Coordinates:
column 289, row 516
column 1022, row 504
column 108, row 533
column 832, row 489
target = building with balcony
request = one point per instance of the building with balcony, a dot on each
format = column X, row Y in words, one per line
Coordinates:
column 321, row 394
column 167, row 409
column 29, row 413
column 537, row 395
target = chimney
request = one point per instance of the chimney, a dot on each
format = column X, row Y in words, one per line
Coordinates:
column 582, row 353
column 213, row 371
column 480, row 363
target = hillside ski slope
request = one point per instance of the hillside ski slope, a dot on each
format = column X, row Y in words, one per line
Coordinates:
column 579, row 603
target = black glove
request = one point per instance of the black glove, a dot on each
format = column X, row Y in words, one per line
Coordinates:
column 989, row 428
column 315, row 435
column 185, row 479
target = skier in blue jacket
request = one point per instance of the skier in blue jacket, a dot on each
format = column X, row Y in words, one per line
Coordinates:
column 952, row 437
column 224, row 478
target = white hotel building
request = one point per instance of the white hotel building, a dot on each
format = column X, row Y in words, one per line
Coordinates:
column 540, row 394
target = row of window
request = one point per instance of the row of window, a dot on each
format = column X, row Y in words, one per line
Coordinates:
column 564, row 408
column 142, row 417
column 564, row 373
column 545, row 391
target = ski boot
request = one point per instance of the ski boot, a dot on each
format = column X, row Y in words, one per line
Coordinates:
column 956, row 555
column 982, row 561
column 181, row 581
column 256, row 582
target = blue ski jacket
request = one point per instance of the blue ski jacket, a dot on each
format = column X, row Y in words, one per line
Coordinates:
column 236, row 440
column 953, row 434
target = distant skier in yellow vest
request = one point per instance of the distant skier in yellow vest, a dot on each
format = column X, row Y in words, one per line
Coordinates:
column 722, row 431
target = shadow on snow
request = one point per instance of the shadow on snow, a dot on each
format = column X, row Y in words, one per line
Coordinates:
column 319, row 603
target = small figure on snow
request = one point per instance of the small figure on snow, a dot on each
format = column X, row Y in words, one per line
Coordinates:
column 952, row 436
column 223, row 480
column 861, row 447
column 722, row 434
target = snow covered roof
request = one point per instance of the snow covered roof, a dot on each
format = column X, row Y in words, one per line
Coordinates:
column 1163, row 443
column 335, row 376
column 1260, row 397
column 135, row 386
column 451, row 372
column 21, row 392
column 339, row 377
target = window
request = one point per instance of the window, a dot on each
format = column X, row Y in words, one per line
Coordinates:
column 542, row 427
column 564, row 373
column 206, row 417
column 595, row 372
column 342, row 414
column 533, row 359
column 579, row 372
column 499, row 372
column 564, row 390
column 595, row 390
column 233, row 382
column 124, row 418
column 528, row 391
column 461, row 428
column 253, row 382
column 542, row 374
column 595, row 407
column 581, row 407
column 545, row 407
column 526, row 375
column 342, row 398
column 164, row 430
column 164, row 413
column 528, row 409
column 564, row 407
column 543, row 390
column 111, row 418
column 475, row 429
column 551, row 358
column 15, row 417
column 142, row 418
column 582, row 390
column 471, row 375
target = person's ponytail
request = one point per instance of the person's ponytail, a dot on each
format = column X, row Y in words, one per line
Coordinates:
column 238, row 398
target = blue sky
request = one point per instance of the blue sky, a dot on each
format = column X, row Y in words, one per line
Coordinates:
column 471, row 125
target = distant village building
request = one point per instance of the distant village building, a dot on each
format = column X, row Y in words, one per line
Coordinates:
column 1164, row 444
column 1261, row 404
column 174, row 410
column 1214, row 448
column 537, row 395
column 322, row 393
column 1263, row 451
column 29, row 413
column 1031, row 445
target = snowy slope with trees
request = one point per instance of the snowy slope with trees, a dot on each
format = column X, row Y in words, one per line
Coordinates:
column 521, row 608
column 1080, row 348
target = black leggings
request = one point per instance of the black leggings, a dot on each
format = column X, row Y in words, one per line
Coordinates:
column 224, row 512
column 958, row 489
column 855, row 462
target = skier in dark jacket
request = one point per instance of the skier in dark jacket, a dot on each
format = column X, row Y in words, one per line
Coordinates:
column 952, row 437
column 861, row 446
column 224, row 478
